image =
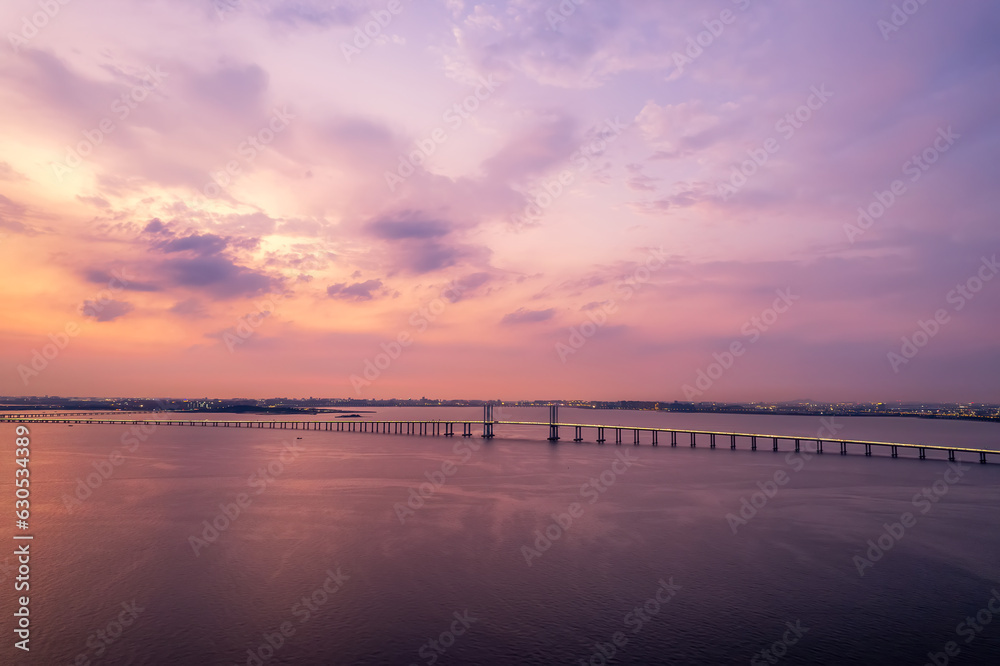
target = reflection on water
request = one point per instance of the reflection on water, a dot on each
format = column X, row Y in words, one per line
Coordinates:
column 252, row 546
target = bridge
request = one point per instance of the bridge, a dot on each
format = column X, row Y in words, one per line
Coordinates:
column 447, row 428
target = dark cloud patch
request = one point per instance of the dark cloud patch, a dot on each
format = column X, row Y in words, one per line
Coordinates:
column 11, row 208
column 408, row 226
column 219, row 276
column 97, row 202
column 191, row 307
column 534, row 151
column 237, row 88
column 58, row 87
column 106, row 310
column 154, row 226
column 12, row 216
column 426, row 257
column 8, row 173
column 318, row 14
column 201, row 244
column 593, row 305
column 467, row 285
column 117, row 279
column 525, row 316
column 358, row 291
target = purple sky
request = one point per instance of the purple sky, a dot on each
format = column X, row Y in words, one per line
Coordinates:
column 520, row 199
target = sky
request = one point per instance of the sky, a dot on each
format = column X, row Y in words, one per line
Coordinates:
column 732, row 200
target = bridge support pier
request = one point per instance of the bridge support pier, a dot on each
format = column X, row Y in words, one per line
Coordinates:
column 673, row 438
column 618, row 436
column 797, row 446
column 488, row 421
column 711, row 441
column 693, row 441
column 600, row 435
column 753, row 443
column 951, row 456
column 635, row 438
column 895, row 452
column 732, row 442
column 578, row 436
column 843, row 448
column 655, row 433
column 553, row 423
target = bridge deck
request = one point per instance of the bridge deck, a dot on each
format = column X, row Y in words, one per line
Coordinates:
column 433, row 427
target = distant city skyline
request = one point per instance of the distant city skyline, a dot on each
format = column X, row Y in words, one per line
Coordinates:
column 734, row 202
column 274, row 404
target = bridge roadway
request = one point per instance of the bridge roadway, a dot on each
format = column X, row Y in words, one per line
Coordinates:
column 447, row 429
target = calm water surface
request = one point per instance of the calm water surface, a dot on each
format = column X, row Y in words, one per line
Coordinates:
column 403, row 569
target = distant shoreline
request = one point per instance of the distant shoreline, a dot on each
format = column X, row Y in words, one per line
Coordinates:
column 687, row 409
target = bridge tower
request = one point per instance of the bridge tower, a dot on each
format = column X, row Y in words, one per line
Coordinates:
column 488, row 420
column 553, row 423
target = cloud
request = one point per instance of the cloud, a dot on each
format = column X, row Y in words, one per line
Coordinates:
column 524, row 316
column 218, row 276
column 191, row 307
column 408, row 226
column 8, row 173
column 155, row 226
column 119, row 279
column 467, row 286
column 358, row 291
column 316, row 13
column 106, row 310
column 201, row 244
column 97, row 202
column 13, row 215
